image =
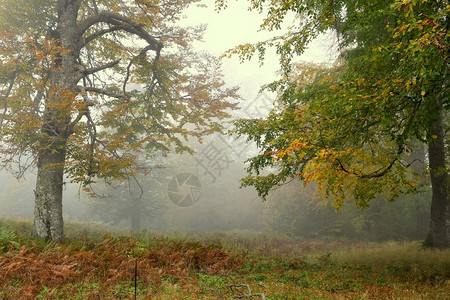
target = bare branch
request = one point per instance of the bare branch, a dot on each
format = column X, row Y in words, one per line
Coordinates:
column 100, row 68
column 92, row 141
column 120, row 22
column 141, row 54
column 126, row 24
column 103, row 32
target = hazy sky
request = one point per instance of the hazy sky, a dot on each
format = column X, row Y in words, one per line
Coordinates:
column 236, row 25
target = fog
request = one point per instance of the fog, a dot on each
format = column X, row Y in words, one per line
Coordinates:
column 201, row 192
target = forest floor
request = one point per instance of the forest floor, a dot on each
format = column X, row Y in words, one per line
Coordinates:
column 90, row 264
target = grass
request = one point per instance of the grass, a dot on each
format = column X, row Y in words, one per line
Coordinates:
column 401, row 255
column 90, row 264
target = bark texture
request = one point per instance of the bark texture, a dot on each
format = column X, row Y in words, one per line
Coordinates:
column 48, row 218
column 439, row 231
column 48, row 221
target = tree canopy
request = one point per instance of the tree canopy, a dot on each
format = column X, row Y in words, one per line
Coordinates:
column 139, row 83
column 87, row 85
column 350, row 126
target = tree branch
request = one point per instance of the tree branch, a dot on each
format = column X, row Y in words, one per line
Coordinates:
column 125, row 24
column 103, row 32
column 13, row 77
column 141, row 54
column 100, row 91
column 100, row 68
column 93, row 140
column 378, row 173
column 119, row 22
column 76, row 120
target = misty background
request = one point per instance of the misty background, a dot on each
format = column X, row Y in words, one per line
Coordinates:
column 215, row 202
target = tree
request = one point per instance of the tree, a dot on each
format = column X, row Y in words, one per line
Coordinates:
column 67, row 103
column 350, row 126
column 296, row 210
column 136, row 200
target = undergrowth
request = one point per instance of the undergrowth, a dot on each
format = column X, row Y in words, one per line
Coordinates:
column 90, row 264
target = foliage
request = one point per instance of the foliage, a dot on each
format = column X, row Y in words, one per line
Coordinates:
column 8, row 239
column 170, row 268
column 350, row 126
column 126, row 98
column 300, row 211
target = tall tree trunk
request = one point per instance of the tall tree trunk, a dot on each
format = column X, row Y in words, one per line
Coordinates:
column 439, row 231
column 417, row 159
column 48, row 220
